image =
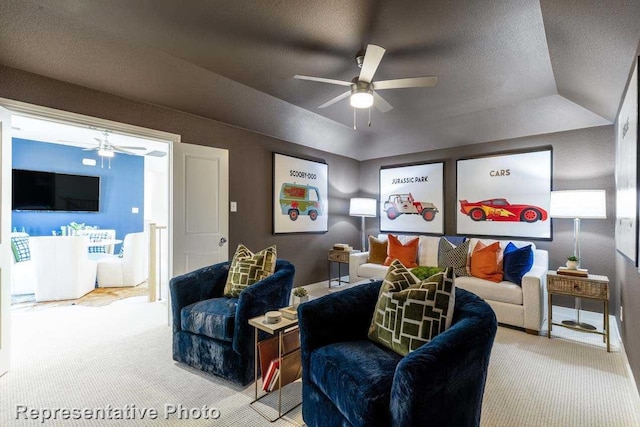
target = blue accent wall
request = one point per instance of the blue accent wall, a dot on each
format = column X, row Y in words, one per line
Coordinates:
column 121, row 188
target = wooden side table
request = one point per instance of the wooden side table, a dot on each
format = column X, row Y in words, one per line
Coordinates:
column 284, row 325
column 590, row 287
column 341, row 257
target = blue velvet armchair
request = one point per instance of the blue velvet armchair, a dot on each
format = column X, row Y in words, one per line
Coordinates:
column 348, row 380
column 210, row 331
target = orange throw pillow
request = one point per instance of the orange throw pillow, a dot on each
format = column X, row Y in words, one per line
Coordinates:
column 406, row 254
column 484, row 262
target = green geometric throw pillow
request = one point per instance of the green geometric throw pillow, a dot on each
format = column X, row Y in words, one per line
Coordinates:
column 20, row 248
column 248, row 268
column 407, row 318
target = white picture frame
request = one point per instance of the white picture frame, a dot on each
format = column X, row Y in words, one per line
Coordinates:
column 627, row 173
column 412, row 198
column 300, row 195
column 506, row 195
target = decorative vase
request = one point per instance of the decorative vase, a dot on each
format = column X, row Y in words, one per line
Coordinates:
column 572, row 265
column 299, row 300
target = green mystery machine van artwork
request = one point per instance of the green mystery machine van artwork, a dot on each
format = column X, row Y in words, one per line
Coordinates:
column 300, row 199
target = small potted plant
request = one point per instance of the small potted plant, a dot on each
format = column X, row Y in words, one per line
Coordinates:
column 572, row 262
column 300, row 295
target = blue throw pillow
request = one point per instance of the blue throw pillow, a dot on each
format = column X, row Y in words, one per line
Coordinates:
column 516, row 262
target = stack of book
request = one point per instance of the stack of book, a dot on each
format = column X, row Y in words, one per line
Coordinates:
column 272, row 373
column 576, row 272
column 342, row 247
column 271, row 378
column 289, row 313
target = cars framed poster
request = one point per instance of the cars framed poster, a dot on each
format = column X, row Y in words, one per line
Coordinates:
column 505, row 195
column 412, row 198
column 300, row 195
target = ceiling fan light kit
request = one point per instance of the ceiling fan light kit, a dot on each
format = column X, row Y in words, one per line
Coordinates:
column 363, row 93
column 104, row 152
column 361, row 98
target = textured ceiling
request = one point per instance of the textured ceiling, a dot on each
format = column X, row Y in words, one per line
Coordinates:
column 505, row 68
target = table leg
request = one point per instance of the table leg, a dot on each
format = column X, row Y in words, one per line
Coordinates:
column 550, row 316
column 280, row 376
column 606, row 323
column 255, row 362
column 329, row 263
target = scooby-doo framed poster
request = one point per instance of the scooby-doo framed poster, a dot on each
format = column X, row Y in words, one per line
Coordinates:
column 411, row 198
column 300, row 195
column 505, row 195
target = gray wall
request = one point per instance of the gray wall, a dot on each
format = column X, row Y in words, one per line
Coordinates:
column 582, row 159
column 250, row 166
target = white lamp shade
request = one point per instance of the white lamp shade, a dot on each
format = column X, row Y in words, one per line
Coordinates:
column 363, row 207
column 584, row 204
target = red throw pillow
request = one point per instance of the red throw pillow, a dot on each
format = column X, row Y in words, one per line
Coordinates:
column 484, row 262
column 406, row 254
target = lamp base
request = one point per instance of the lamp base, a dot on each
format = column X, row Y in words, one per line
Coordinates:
column 578, row 325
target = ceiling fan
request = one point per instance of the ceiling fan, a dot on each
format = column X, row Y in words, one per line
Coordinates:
column 363, row 90
column 107, row 149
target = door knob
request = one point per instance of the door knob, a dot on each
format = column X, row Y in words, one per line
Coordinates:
column 222, row 241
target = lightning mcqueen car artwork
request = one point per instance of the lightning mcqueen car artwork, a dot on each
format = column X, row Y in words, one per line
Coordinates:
column 502, row 210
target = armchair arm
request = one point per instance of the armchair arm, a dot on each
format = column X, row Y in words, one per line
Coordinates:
column 204, row 283
column 269, row 294
column 343, row 316
column 442, row 382
column 356, row 259
column 533, row 299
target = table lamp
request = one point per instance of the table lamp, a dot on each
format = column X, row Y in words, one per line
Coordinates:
column 578, row 204
column 363, row 208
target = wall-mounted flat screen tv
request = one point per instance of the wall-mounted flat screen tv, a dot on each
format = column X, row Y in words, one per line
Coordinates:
column 50, row 191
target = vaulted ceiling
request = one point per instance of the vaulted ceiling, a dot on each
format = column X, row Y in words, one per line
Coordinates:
column 505, row 69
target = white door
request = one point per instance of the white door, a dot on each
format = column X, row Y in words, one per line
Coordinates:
column 200, row 206
column 5, row 239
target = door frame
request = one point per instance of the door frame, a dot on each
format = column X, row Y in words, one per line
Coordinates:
column 55, row 115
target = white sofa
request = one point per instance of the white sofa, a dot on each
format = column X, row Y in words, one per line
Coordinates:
column 63, row 268
column 522, row 306
column 131, row 269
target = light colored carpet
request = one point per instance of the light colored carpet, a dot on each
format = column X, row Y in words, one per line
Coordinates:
column 120, row 354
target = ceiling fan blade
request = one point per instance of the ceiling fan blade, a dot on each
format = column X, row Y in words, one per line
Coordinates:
column 90, row 149
column 381, row 104
column 130, row 148
column 120, row 150
column 372, row 58
column 322, row 80
column 336, row 99
column 428, row 81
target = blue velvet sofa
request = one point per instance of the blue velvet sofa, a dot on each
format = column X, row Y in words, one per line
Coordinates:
column 210, row 331
column 348, row 380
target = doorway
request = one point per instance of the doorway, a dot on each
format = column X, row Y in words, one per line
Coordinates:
column 192, row 243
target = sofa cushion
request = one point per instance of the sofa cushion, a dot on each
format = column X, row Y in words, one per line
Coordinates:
column 484, row 262
column 248, row 268
column 506, row 292
column 213, row 318
column 20, row 248
column 453, row 256
column 428, row 251
column 406, row 253
column 356, row 376
column 377, row 250
column 405, row 319
column 517, row 262
column 372, row 270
